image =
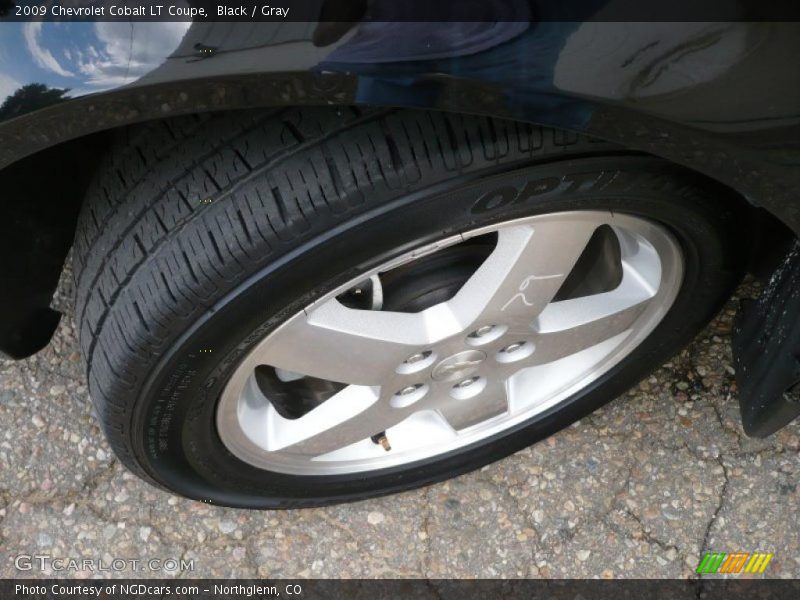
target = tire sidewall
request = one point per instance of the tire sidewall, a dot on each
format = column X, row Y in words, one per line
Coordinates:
column 174, row 420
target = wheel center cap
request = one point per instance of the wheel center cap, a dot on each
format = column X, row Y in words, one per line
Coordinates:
column 458, row 366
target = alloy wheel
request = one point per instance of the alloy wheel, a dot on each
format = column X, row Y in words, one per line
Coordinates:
column 557, row 300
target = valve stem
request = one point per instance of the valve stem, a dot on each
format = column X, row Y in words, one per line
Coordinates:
column 380, row 438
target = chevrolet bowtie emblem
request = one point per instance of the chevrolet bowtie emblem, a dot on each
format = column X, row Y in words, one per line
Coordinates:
column 458, row 365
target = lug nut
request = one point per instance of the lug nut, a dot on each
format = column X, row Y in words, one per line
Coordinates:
column 416, row 363
column 481, row 331
column 466, row 383
column 409, row 389
column 408, row 395
column 515, row 352
column 513, row 347
column 415, row 358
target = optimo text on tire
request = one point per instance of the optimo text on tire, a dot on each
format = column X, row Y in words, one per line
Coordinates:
column 301, row 307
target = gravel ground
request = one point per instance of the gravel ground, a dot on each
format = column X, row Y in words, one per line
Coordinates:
column 640, row 489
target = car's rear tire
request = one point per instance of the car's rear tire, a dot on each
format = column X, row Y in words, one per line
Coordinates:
column 201, row 236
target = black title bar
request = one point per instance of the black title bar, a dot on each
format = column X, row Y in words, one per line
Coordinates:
column 400, row 10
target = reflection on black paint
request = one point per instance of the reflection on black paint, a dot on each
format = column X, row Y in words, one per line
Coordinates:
column 516, row 49
column 29, row 98
column 6, row 6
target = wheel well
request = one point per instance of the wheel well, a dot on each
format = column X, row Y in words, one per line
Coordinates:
column 38, row 220
column 38, row 214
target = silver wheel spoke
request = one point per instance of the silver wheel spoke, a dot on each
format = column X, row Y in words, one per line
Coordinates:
column 354, row 414
column 596, row 327
column 490, row 402
column 524, row 272
column 570, row 326
column 346, row 345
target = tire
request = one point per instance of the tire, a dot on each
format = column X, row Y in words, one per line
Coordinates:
column 202, row 235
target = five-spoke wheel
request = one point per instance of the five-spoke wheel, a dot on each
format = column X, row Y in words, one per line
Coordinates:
column 506, row 346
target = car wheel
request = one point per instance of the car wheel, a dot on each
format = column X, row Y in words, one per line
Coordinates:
column 296, row 308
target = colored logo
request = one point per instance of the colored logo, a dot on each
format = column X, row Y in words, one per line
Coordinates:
column 734, row 562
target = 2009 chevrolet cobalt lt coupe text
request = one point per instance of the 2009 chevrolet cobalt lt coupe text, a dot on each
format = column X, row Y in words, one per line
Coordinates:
column 317, row 262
